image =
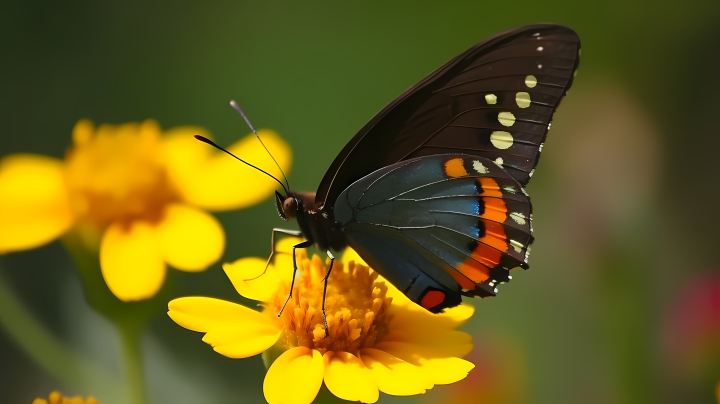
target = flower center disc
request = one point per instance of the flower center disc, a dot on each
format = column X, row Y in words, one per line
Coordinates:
column 115, row 173
column 356, row 307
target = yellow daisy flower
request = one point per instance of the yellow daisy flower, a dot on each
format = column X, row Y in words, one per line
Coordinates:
column 379, row 340
column 137, row 195
column 57, row 398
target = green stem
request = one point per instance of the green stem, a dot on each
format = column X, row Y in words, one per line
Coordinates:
column 130, row 318
column 132, row 362
column 46, row 350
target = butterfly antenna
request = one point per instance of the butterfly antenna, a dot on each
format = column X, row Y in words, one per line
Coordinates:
column 247, row 121
column 211, row 143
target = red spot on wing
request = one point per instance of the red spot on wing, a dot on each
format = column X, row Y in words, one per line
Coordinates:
column 432, row 298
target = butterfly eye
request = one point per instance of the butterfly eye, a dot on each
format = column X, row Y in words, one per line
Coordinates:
column 290, row 207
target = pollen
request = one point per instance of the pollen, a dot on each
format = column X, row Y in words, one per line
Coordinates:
column 356, row 307
column 115, row 173
column 57, row 398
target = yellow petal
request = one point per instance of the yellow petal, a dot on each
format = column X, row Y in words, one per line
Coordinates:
column 213, row 180
column 347, row 377
column 204, row 314
column 459, row 314
column 443, row 342
column 413, row 318
column 295, row 377
column 351, row 255
column 393, row 375
column 191, row 239
column 131, row 261
column 247, row 275
column 439, row 368
column 242, row 342
column 231, row 329
column 419, row 317
column 34, row 207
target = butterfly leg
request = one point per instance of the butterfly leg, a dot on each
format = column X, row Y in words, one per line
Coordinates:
column 327, row 275
column 304, row 244
column 294, row 233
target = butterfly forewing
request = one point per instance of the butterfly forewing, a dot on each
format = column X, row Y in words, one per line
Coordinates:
column 495, row 100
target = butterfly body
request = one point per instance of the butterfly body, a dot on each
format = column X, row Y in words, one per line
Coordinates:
column 430, row 192
column 316, row 224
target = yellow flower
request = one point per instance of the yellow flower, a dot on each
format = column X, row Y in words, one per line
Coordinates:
column 379, row 340
column 56, row 398
column 137, row 195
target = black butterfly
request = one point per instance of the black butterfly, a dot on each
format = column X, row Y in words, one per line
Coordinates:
column 430, row 192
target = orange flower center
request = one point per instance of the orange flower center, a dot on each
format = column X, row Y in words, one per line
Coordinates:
column 57, row 398
column 356, row 307
column 115, row 173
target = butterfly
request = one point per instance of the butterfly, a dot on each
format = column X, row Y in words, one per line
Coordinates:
column 430, row 191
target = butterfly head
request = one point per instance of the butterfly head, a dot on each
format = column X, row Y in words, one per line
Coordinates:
column 287, row 206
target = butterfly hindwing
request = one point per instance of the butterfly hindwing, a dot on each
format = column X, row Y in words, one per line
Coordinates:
column 496, row 101
column 454, row 224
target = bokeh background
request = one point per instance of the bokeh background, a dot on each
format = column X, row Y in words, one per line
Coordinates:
column 624, row 197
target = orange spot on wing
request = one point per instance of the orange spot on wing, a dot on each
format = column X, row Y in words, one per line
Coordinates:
column 474, row 270
column 487, row 255
column 432, row 298
column 495, row 209
column 455, row 168
column 495, row 235
column 461, row 279
column 490, row 187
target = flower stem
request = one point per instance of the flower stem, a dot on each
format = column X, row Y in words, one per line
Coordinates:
column 132, row 361
column 130, row 318
column 46, row 350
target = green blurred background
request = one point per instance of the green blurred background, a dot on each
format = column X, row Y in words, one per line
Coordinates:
column 623, row 198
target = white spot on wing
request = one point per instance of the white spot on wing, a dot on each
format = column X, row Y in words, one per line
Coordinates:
column 501, row 140
column 518, row 217
column 527, row 254
column 491, row 98
column 539, row 48
column 477, row 165
column 499, row 162
column 516, row 245
column 532, row 172
column 530, row 81
column 510, row 189
column 506, row 118
column 522, row 99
